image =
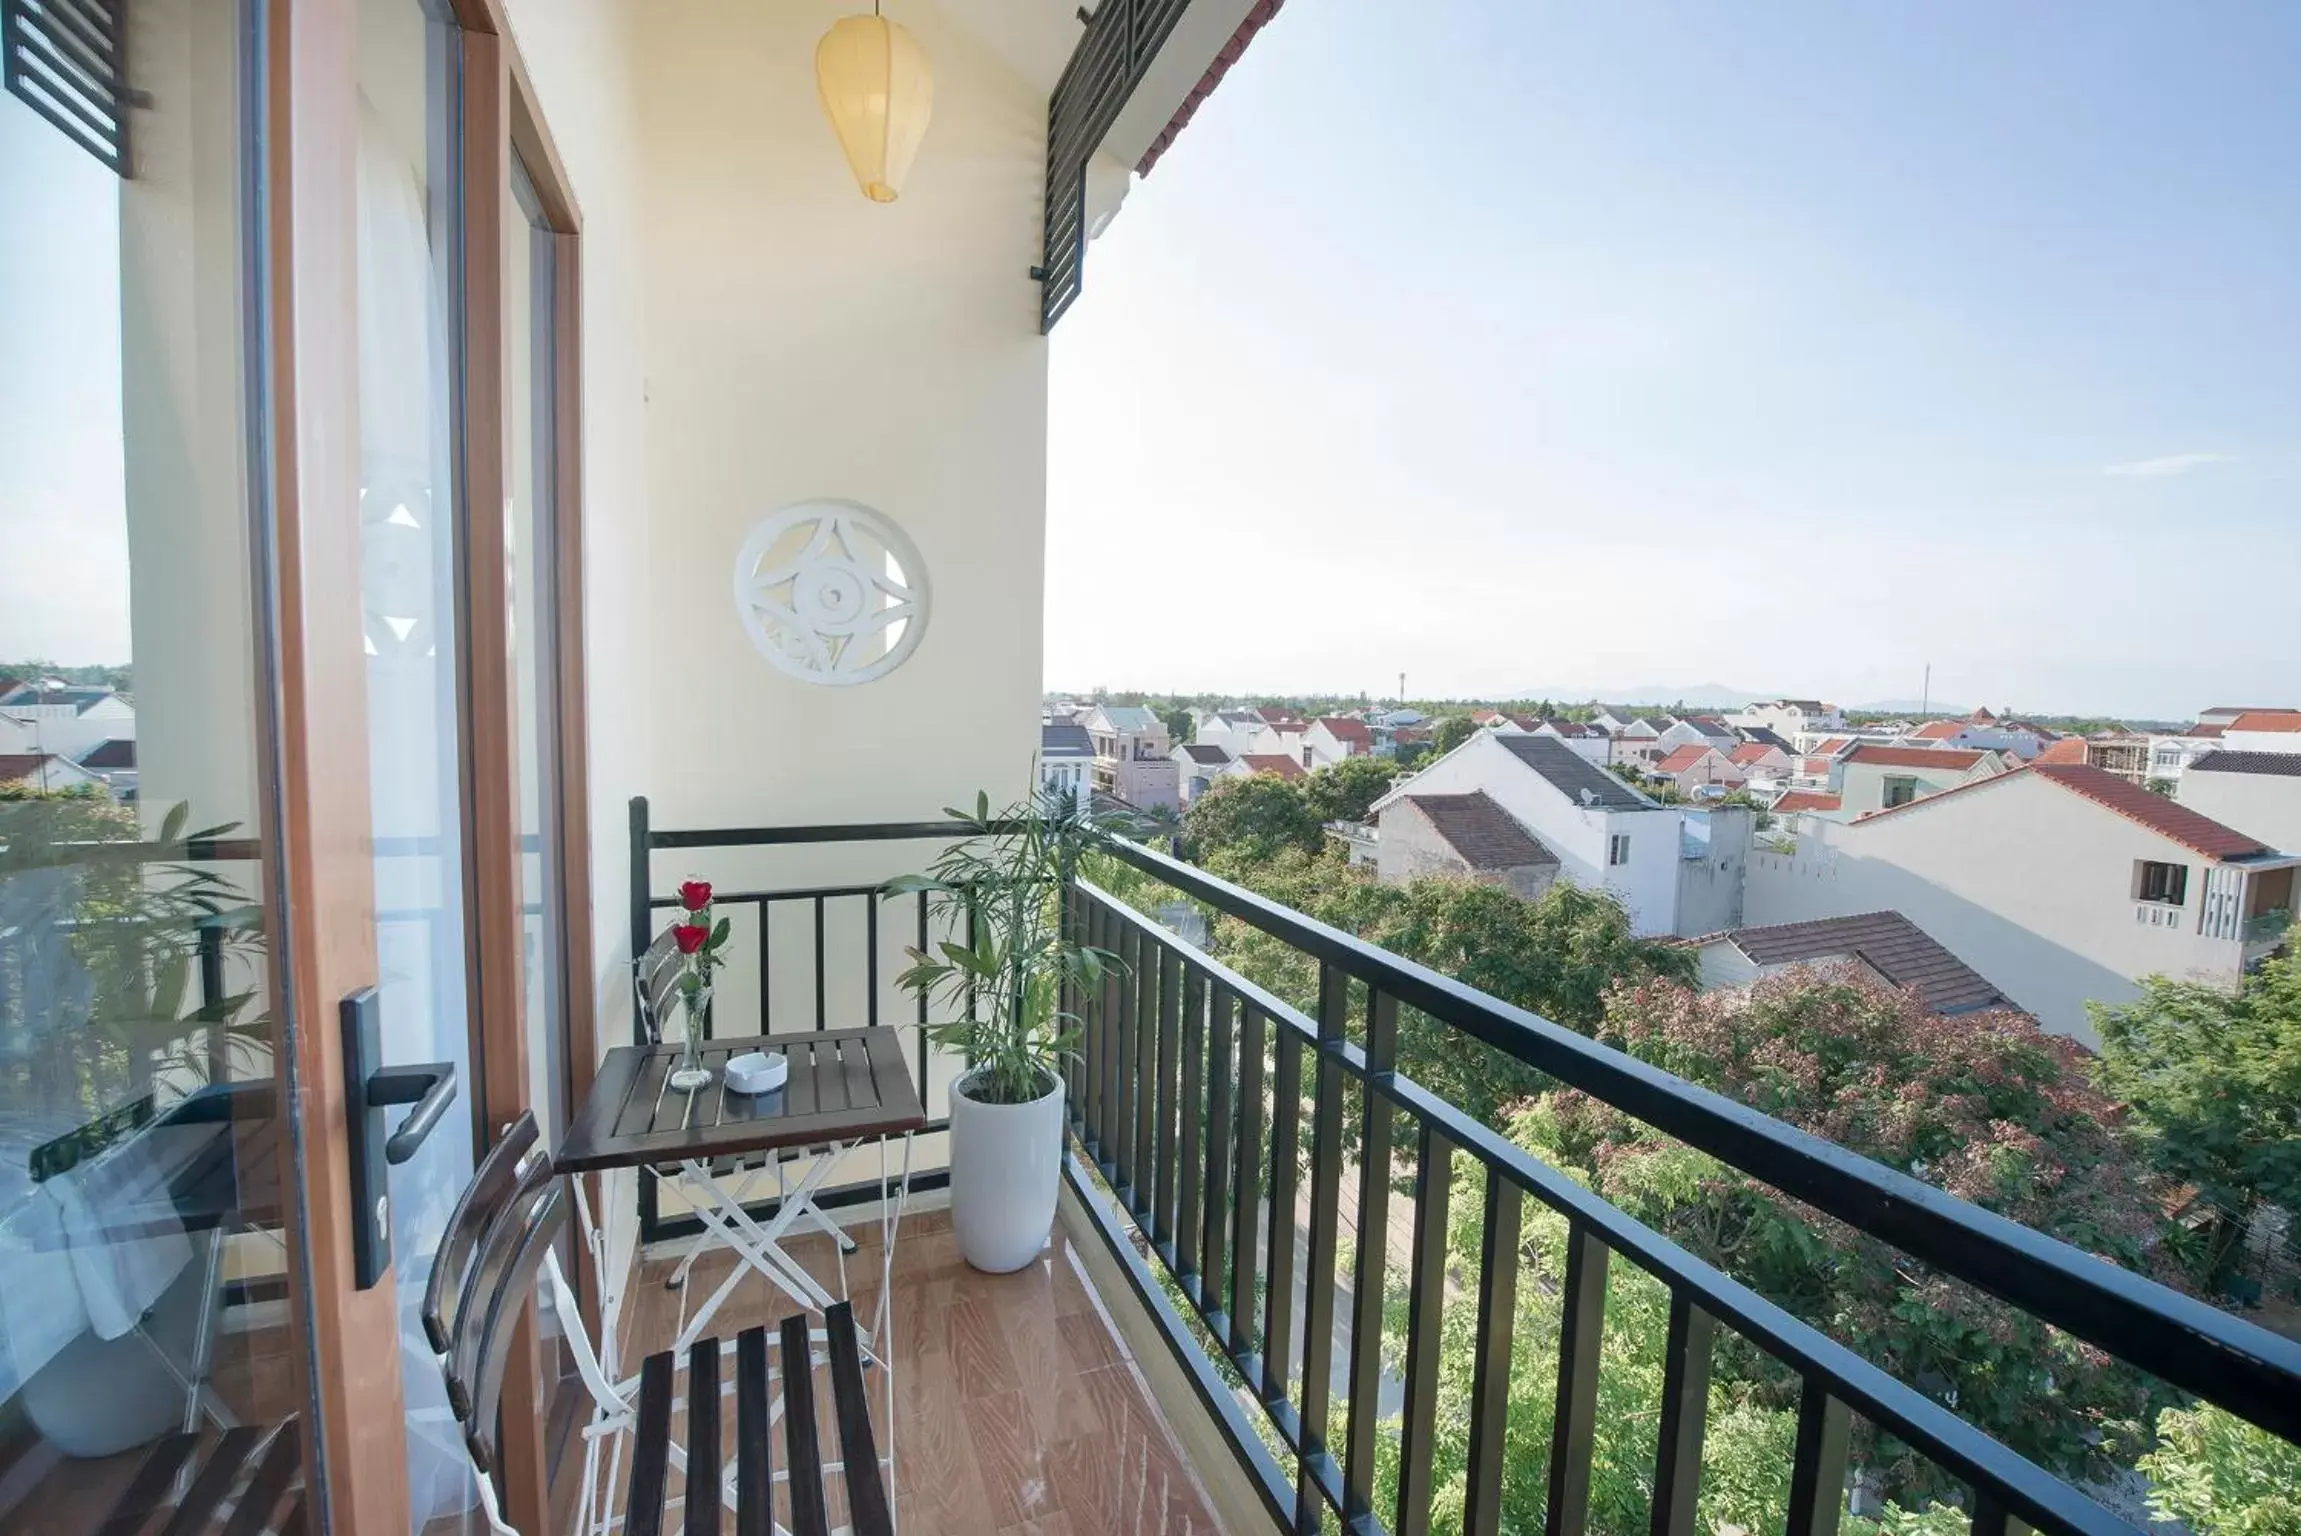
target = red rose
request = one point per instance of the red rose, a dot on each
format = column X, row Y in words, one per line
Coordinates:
column 689, row 937
column 695, row 895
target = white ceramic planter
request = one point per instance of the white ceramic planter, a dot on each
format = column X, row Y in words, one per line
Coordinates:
column 1005, row 1159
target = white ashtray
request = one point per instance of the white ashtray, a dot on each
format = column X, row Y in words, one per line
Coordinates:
column 757, row 1071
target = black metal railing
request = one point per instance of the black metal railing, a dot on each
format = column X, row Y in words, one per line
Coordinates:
column 842, row 928
column 1190, row 1106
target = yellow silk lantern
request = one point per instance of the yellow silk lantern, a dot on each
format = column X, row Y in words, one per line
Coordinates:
column 878, row 93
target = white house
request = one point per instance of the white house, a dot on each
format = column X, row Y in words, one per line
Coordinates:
column 1697, row 731
column 2264, row 730
column 1791, row 718
column 1696, row 767
column 46, row 771
column 1985, row 732
column 1067, row 760
column 1878, row 778
column 1199, row 766
column 2224, row 714
column 1763, row 762
column 1638, row 742
column 1468, row 835
column 1131, row 755
column 1587, row 741
column 1331, row 738
column 1606, row 835
column 66, row 719
column 2061, row 883
column 1232, row 729
column 2258, row 793
column 1282, row 738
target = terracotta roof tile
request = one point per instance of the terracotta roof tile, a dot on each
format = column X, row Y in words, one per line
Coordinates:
column 1808, row 800
column 1344, row 728
column 2268, row 720
column 1889, row 943
column 1683, row 758
column 1833, row 746
column 2197, row 832
column 1230, row 53
column 1751, row 753
column 1276, row 764
column 1484, row 834
column 1939, row 730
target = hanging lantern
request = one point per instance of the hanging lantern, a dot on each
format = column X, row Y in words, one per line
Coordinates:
column 878, row 93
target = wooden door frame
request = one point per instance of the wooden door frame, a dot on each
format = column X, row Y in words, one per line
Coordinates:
column 501, row 119
column 319, row 819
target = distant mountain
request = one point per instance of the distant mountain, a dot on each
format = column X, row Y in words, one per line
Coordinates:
column 1692, row 695
column 1912, row 706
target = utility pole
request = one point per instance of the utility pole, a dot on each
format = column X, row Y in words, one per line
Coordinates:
column 1925, row 694
column 1402, row 688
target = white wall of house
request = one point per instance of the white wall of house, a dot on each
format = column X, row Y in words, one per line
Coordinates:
column 2262, row 805
column 1647, row 884
column 2261, row 741
column 1863, row 785
column 2028, row 883
column 1711, row 882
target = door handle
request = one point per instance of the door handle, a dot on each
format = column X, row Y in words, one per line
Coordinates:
column 369, row 1089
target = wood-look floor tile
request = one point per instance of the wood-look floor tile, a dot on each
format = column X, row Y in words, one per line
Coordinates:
column 1087, row 1342
column 980, row 1360
column 1056, row 1524
column 1016, row 1466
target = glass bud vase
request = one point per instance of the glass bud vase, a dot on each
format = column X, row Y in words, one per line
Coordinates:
column 689, row 1073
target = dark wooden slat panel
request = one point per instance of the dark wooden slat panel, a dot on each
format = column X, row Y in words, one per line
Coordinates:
column 283, row 1459
column 1169, row 1097
column 866, row 1490
column 799, row 1089
column 1191, row 1169
column 754, row 1454
column 650, row 1448
column 1318, row 1281
column 830, row 1078
column 1285, row 1133
column 703, row 1506
column 1246, row 1189
column 1366, row 1276
column 227, row 1459
column 603, row 1105
column 643, row 1109
column 857, row 1081
column 1221, row 1070
column 803, row 1450
column 143, row 1493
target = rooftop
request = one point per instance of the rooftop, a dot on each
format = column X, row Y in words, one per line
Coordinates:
column 2282, row 764
column 1130, row 717
column 1682, row 758
column 1889, row 943
column 1487, row 836
column 1808, row 800
column 1277, row 764
column 1206, row 752
column 1064, row 738
column 1573, row 775
column 2189, row 828
column 2267, row 720
column 1347, row 728
column 1941, row 758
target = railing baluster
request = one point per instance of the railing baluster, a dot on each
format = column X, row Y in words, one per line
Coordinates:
column 1128, row 1078
column 1490, row 1366
column 924, row 1045
column 1246, row 1188
column 1169, row 1063
column 1077, row 1072
column 1991, row 1519
column 1685, row 1416
column 1818, row 1472
column 870, row 956
column 1366, row 1275
column 1145, row 1070
column 822, row 977
column 1278, row 1298
column 1108, row 1060
column 1572, row 1428
column 1189, row 1168
column 1220, row 1071
column 1325, row 1213
column 766, row 965
column 1425, row 1307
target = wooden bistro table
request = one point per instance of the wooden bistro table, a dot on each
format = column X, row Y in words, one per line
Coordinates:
column 846, row 1087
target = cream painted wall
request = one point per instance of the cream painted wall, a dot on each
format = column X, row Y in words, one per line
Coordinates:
column 2262, row 805
column 804, row 342
column 2029, row 884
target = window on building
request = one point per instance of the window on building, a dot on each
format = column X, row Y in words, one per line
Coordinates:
column 1618, row 848
column 1306, row 762
column 1901, row 789
column 2164, row 883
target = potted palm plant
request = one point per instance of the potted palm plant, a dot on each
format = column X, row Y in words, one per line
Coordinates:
column 1004, row 978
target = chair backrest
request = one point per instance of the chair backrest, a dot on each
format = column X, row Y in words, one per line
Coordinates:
column 482, row 1204
column 492, row 1274
column 515, row 1252
column 655, row 981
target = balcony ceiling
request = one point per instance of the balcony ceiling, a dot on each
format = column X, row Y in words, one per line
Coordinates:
column 1034, row 38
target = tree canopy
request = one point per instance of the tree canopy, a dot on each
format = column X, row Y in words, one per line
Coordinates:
column 1452, row 732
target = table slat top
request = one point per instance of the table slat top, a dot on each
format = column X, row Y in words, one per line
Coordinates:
column 844, row 1084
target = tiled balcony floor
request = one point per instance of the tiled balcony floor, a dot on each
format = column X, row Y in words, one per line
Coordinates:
column 1018, row 1411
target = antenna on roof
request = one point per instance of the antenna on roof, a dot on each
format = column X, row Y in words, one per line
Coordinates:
column 1589, row 797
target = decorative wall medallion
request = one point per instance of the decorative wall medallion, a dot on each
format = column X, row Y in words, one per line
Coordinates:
column 832, row 592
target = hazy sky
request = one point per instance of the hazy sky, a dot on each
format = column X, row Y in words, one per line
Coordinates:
column 1528, row 346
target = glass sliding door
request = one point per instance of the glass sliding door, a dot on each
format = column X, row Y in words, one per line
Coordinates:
column 411, row 622
column 153, row 1271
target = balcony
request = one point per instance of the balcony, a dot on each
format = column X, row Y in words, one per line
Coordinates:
column 1292, row 1288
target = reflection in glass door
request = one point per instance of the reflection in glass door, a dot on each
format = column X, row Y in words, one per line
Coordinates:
column 409, row 253
column 146, row 1175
